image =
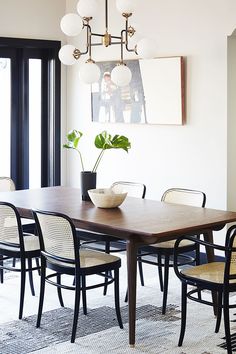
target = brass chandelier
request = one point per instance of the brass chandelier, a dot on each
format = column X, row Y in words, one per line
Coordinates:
column 72, row 24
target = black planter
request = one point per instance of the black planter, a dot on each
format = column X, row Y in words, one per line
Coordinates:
column 88, row 181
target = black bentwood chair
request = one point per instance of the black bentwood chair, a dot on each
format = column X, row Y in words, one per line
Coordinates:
column 8, row 185
column 60, row 252
column 134, row 189
column 16, row 244
column 219, row 277
column 164, row 250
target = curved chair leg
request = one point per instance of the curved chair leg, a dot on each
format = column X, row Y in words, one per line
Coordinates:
column 37, row 264
column 227, row 322
column 84, row 300
column 140, row 267
column 31, row 276
column 219, row 312
column 41, row 295
column 160, row 271
column 126, row 296
column 197, row 257
column 166, row 281
column 1, row 270
column 183, row 313
column 117, row 298
column 107, row 250
column 22, row 286
column 197, row 262
column 76, row 308
column 35, row 232
column 59, row 293
column 199, row 294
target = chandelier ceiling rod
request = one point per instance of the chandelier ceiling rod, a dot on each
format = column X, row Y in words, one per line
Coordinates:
column 106, row 15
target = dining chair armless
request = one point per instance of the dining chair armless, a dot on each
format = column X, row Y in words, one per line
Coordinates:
column 219, row 277
column 164, row 251
column 8, row 185
column 15, row 244
column 61, row 255
column 94, row 240
column 134, row 189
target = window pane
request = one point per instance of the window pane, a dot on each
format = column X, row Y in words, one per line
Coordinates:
column 34, row 123
column 5, row 114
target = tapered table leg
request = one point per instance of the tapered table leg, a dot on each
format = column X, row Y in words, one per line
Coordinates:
column 208, row 236
column 132, row 278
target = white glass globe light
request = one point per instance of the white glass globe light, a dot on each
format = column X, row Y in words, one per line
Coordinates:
column 87, row 8
column 66, row 54
column 71, row 24
column 121, row 75
column 125, row 6
column 89, row 73
column 146, row 48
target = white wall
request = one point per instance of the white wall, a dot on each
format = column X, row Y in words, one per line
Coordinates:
column 190, row 156
column 231, row 195
column 37, row 19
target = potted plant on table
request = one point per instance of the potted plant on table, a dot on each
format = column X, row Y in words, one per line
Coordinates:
column 103, row 142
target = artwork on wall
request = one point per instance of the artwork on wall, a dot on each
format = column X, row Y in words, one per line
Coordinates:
column 155, row 94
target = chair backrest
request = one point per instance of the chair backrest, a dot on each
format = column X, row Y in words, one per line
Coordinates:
column 230, row 243
column 134, row 189
column 57, row 235
column 184, row 196
column 6, row 184
column 10, row 225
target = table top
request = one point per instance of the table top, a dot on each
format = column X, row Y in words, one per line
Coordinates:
column 143, row 219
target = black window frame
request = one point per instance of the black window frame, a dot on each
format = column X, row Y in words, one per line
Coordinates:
column 20, row 50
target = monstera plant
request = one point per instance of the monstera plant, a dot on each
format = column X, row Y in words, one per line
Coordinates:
column 103, row 142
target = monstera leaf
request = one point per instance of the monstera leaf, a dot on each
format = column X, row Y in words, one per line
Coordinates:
column 103, row 141
column 73, row 138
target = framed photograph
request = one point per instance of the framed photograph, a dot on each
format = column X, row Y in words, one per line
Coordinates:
column 155, row 94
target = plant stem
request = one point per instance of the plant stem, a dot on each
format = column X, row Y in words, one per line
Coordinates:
column 81, row 160
column 98, row 161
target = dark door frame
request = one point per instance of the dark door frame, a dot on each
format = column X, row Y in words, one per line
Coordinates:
column 20, row 50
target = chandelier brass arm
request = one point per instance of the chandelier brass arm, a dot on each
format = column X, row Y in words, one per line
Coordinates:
column 73, row 24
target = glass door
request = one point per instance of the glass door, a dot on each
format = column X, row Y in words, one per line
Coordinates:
column 5, row 116
column 30, row 112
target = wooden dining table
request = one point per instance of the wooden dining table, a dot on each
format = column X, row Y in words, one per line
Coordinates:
column 138, row 221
